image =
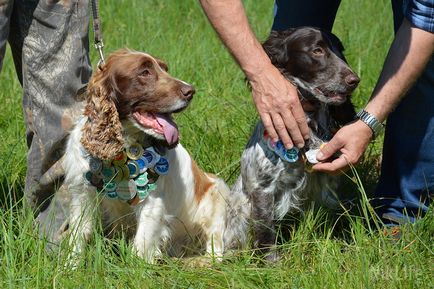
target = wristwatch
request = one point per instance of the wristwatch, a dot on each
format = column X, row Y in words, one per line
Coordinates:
column 370, row 120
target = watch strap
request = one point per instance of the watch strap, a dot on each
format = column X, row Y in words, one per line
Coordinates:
column 371, row 121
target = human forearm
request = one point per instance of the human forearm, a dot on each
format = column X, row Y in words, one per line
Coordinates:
column 411, row 50
column 276, row 99
column 230, row 21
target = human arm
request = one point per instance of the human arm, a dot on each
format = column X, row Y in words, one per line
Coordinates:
column 408, row 55
column 276, row 99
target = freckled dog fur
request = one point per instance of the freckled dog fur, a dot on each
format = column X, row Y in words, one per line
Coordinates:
column 313, row 61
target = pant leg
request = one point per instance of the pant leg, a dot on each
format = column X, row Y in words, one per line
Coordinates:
column 294, row 13
column 15, row 19
column 406, row 182
column 55, row 65
column 6, row 7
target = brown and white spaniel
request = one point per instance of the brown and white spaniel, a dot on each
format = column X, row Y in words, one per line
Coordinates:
column 123, row 161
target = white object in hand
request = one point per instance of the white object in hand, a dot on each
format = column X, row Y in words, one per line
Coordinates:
column 311, row 156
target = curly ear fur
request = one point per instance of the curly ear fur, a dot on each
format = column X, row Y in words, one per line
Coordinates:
column 102, row 133
column 275, row 47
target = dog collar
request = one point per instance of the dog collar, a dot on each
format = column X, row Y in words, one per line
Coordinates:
column 131, row 176
column 292, row 155
column 287, row 155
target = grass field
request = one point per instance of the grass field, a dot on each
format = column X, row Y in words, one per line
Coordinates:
column 215, row 128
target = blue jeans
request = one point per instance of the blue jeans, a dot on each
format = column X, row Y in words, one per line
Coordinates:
column 407, row 172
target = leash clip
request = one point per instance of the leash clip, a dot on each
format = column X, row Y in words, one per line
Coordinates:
column 99, row 47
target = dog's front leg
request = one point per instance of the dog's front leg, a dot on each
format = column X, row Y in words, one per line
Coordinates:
column 214, row 237
column 264, row 227
column 81, row 223
column 151, row 228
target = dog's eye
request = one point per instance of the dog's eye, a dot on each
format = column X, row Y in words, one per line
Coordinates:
column 145, row 72
column 318, row 51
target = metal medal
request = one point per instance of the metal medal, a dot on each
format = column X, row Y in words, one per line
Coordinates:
column 134, row 169
column 126, row 190
column 162, row 166
column 135, row 151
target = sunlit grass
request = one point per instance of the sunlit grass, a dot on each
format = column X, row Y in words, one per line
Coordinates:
column 319, row 250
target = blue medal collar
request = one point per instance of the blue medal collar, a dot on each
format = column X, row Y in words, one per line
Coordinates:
column 131, row 176
column 287, row 155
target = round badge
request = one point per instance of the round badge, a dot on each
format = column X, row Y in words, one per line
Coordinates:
column 141, row 180
column 108, row 173
column 141, row 162
column 126, row 190
column 112, row 195
column 151, row 157
column 280, row 149
column 162, row 166
column 133, row 168
column 95, row 165
column 119, row 173
column 135, row 151
column 120, row 159
column 152, row 187
column 87, row 177
column 291, row 155
column 125, row 172
column 110, row 186
column 142, row 192
column 270, row 144
column 279, row 145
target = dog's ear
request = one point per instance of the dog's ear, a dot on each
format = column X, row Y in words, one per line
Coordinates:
column 275, row 47
column 102, row 133
column 335, row 44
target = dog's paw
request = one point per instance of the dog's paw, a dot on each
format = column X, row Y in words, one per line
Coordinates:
column 199, row 261
column 272, row 257
column 150, row 255
column 72, row 262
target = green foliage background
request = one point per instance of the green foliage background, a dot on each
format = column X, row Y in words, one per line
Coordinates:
column 215, row 129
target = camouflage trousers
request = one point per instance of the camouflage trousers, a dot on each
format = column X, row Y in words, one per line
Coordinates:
column 49, row 43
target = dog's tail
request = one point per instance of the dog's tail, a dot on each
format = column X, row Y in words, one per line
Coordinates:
column 237, row 217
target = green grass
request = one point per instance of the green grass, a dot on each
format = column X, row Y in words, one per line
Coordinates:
column 321, row 253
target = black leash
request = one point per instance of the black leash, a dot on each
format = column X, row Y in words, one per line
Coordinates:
column 97, row 31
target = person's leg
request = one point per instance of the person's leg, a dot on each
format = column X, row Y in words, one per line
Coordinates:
column 295, row 13
column 407, row 173
column 55, row 65
column 5, row 17
column 15, row 19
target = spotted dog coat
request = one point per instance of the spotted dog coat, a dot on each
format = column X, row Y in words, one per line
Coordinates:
column 310, row 59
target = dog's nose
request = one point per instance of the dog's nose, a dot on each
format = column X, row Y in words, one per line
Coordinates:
column 187, row 91
column 352, row 79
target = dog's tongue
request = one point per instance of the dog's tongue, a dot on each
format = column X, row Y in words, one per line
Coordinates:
column 169, row 128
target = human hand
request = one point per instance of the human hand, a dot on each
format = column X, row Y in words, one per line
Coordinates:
column 279, row 107
column 351, row 142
